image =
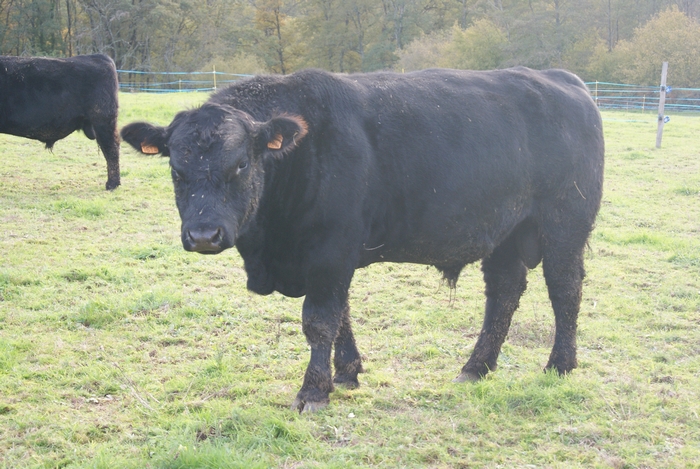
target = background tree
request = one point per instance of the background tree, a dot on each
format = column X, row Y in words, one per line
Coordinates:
column 479, row 47
column 271, row 19
column 672, row 37
column 426, row 51
column 606, row 40
column 324, row 33
column 118, row 28
column 340, row 34
column 31, row 27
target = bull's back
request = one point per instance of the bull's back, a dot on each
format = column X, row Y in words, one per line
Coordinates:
column 467, row 155
column 446, row 109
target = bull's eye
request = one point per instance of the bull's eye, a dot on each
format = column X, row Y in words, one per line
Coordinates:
column 241, row 166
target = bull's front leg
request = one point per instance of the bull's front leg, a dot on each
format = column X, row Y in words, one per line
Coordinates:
column 322, row 316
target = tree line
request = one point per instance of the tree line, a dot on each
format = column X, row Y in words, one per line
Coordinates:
column 605, row 40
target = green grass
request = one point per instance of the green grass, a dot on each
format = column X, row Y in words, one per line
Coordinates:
column 120, row 350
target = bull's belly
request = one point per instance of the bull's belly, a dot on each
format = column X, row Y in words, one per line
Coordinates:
column 42, row 133
column 428, row 253
column 446, row 236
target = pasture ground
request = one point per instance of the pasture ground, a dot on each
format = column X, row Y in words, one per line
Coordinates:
column 120, row 350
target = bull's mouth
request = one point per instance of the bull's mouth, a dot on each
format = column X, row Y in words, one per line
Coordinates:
column 206, row 252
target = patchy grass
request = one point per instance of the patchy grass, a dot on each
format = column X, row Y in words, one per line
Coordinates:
column 120, row 350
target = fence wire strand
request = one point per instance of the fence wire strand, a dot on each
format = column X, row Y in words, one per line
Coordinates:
column 643, row 98
column 606, row 95
column 174, row 82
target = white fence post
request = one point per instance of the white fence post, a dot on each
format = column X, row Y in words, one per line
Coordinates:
column 662, row 102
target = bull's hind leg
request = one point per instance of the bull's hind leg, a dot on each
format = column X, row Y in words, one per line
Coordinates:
column 347, row 361
column 563, row 271
column 107, row 137
column 505, row 277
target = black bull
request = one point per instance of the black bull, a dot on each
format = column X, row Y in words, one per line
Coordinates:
column 314, row 175
column 47, row 99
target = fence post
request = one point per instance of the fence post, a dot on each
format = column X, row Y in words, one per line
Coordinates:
column 596, row 93
column 214, row 69
column 662, row 101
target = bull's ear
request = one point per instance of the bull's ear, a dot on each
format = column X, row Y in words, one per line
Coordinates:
column 146, row 138
column 280, row 134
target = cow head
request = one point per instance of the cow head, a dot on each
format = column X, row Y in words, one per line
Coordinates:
column 216, row 155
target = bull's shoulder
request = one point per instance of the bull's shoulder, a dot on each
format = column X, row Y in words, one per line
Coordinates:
column 248, row 94
column 309, row 92
column 267, row 86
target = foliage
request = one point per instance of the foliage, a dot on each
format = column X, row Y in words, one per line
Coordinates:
column 274, row 44
column 668, row 37
column 605, row 65
column 479, row 47
column 427, row 51
column 604, row 40
column 118, row 349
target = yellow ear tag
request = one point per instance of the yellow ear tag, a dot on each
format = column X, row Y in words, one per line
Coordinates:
column 276, row 142
column 149, row 149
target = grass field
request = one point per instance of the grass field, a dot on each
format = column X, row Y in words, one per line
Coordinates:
column 120, row 350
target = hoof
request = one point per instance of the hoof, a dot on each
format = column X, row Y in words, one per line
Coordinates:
column 560, row 371
column 346, row 381
column 562, row 365
column 302, row 406
column 467, row 376
column 111, row 185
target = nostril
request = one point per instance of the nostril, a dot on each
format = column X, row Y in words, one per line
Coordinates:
column 218, row 236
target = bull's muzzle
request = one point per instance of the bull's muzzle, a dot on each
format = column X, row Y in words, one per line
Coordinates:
column 204, row 240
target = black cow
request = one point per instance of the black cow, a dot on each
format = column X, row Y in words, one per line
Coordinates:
column 48, row 99
column 314, row 175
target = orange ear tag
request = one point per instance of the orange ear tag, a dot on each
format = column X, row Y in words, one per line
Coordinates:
column 149, row 149
column 276, row 142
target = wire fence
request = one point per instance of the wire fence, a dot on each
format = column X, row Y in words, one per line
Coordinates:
column 174, row 82
column 606, row 95
column 643, row 98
